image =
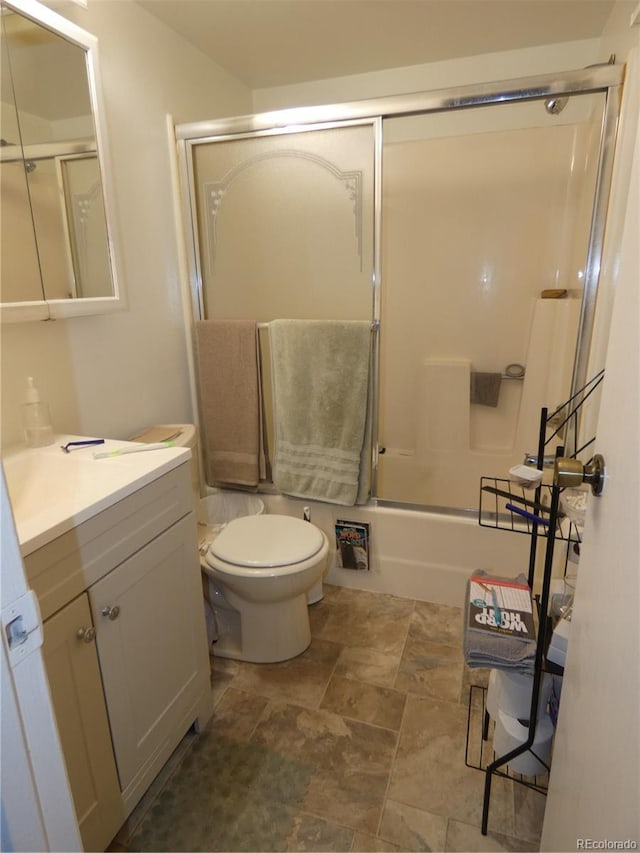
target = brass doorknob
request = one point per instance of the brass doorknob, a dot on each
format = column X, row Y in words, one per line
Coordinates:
column 569, row 473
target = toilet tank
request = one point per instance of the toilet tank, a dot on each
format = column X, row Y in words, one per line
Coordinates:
column 182, row 435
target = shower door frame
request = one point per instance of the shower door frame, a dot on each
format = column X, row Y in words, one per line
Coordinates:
column 606, row 79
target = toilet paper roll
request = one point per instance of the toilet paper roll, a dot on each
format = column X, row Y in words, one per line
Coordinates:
column 513, row 693
column 493, row 694
column 509, row 733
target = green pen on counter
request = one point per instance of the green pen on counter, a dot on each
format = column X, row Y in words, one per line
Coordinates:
column 120, row 451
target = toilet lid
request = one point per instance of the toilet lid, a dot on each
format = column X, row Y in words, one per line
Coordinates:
column 265, row 541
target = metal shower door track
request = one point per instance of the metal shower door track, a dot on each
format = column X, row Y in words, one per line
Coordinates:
column 598, row 78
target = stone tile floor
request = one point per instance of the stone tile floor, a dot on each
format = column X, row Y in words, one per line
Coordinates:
column 356, row 745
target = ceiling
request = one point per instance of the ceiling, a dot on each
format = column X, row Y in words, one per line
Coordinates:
column 269, row 43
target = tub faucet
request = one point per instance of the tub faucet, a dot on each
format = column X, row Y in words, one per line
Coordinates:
column 532, row 459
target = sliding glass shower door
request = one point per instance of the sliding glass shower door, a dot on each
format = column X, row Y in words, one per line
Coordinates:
column 485, row 228
column 285, row 230
column 285, row 224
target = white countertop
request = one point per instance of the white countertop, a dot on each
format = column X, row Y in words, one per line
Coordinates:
column 52, row 492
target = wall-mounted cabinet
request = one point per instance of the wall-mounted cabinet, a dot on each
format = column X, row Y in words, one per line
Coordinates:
column 58, row 248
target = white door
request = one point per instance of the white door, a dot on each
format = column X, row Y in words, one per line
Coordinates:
column 594, row 792
column 37, row 809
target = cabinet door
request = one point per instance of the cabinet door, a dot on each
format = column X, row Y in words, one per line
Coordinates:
column 149, row 618
column 78, row 703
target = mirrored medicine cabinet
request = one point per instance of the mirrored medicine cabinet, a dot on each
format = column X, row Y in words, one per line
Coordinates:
column 58, row 250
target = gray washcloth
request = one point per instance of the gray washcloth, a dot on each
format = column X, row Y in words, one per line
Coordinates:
column 496, row 651
column 485, row 388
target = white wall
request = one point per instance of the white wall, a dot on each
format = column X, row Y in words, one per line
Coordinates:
column 111, row 375
column 436, row 75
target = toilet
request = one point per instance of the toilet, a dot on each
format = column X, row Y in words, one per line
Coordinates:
column 261, row 572
column 264, row 566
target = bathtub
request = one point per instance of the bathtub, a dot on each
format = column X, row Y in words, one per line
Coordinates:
column 415, row 553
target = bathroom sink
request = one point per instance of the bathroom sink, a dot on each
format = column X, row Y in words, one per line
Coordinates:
column 52, row 491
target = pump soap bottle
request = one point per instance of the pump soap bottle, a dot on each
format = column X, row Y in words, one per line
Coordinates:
column 38, row 431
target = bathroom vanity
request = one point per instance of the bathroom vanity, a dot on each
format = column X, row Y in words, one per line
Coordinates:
column 110, row 549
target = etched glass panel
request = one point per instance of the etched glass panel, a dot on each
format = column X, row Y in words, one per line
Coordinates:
column 285, row 225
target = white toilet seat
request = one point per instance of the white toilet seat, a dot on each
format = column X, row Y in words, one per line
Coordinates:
column 265, row 545
column 259, row 594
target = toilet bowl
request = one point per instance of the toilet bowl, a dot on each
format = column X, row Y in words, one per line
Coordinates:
column 259, row 574
column 263, row 566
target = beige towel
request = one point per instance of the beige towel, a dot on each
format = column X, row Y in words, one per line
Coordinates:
column 227, row 363
column 320, row 374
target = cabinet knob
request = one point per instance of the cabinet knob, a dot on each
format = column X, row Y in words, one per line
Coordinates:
column 87, row 635
column 111, row 612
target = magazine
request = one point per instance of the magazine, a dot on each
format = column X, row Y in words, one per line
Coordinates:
column 352, row 544
column 501, row 607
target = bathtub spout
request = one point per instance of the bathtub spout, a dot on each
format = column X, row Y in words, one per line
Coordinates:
column 532, row 459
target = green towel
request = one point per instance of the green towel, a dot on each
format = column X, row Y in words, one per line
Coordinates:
column 320, row 376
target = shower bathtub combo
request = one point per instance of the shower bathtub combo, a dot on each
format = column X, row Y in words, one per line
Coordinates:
column 477, row 248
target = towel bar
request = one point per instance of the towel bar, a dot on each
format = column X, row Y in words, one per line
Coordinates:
column 511, row 371
column 375, row 325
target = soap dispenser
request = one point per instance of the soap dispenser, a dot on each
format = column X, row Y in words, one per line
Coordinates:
column 36, row 420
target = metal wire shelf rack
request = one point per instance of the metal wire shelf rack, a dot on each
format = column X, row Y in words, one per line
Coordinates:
column 529, row 514
column 536, row 513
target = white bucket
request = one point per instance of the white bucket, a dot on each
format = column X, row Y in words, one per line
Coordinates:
column 220, row 508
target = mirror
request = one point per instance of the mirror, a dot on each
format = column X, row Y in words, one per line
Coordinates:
column 57, row 238
column 20, row 278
